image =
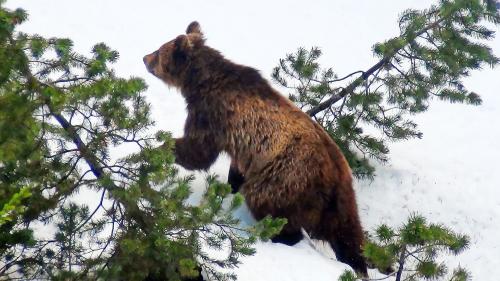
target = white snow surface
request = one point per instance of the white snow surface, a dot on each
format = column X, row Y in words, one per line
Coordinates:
column 450, row 176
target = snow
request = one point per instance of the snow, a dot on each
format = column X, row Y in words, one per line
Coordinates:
column 281, row 262
column 450, row 176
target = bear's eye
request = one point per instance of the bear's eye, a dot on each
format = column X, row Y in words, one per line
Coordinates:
column 165, row 59
column 155, row 59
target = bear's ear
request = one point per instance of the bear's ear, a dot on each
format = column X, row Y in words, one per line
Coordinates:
column 182, row 43
column 182, row 50
column 194, row 27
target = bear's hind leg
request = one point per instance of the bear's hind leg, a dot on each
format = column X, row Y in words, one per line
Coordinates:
column 347, row 252
column 346, row 238
column 235, row 178
column 289, row 239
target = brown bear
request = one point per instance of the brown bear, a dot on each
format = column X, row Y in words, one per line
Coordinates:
column 291, row 167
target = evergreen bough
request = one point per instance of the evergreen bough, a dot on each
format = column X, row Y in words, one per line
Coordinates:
column 413, row 251
column 435, row 50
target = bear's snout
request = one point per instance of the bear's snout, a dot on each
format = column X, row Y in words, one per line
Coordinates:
column 150, row 61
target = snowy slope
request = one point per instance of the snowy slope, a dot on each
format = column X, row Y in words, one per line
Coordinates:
column 450, row 176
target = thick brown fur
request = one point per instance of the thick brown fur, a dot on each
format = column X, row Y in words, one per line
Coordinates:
column 291, row 166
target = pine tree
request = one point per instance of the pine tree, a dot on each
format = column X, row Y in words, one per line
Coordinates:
column 435, row 50
column 411, row 253
column 62, row 115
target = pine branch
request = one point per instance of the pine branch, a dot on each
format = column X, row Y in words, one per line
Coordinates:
column 366, row 74
column 101, row 200
column 401, row 263
column 340, row 79
column 347, row 90
column 91, row 160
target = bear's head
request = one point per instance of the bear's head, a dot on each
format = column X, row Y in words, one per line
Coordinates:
column 175, row 60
